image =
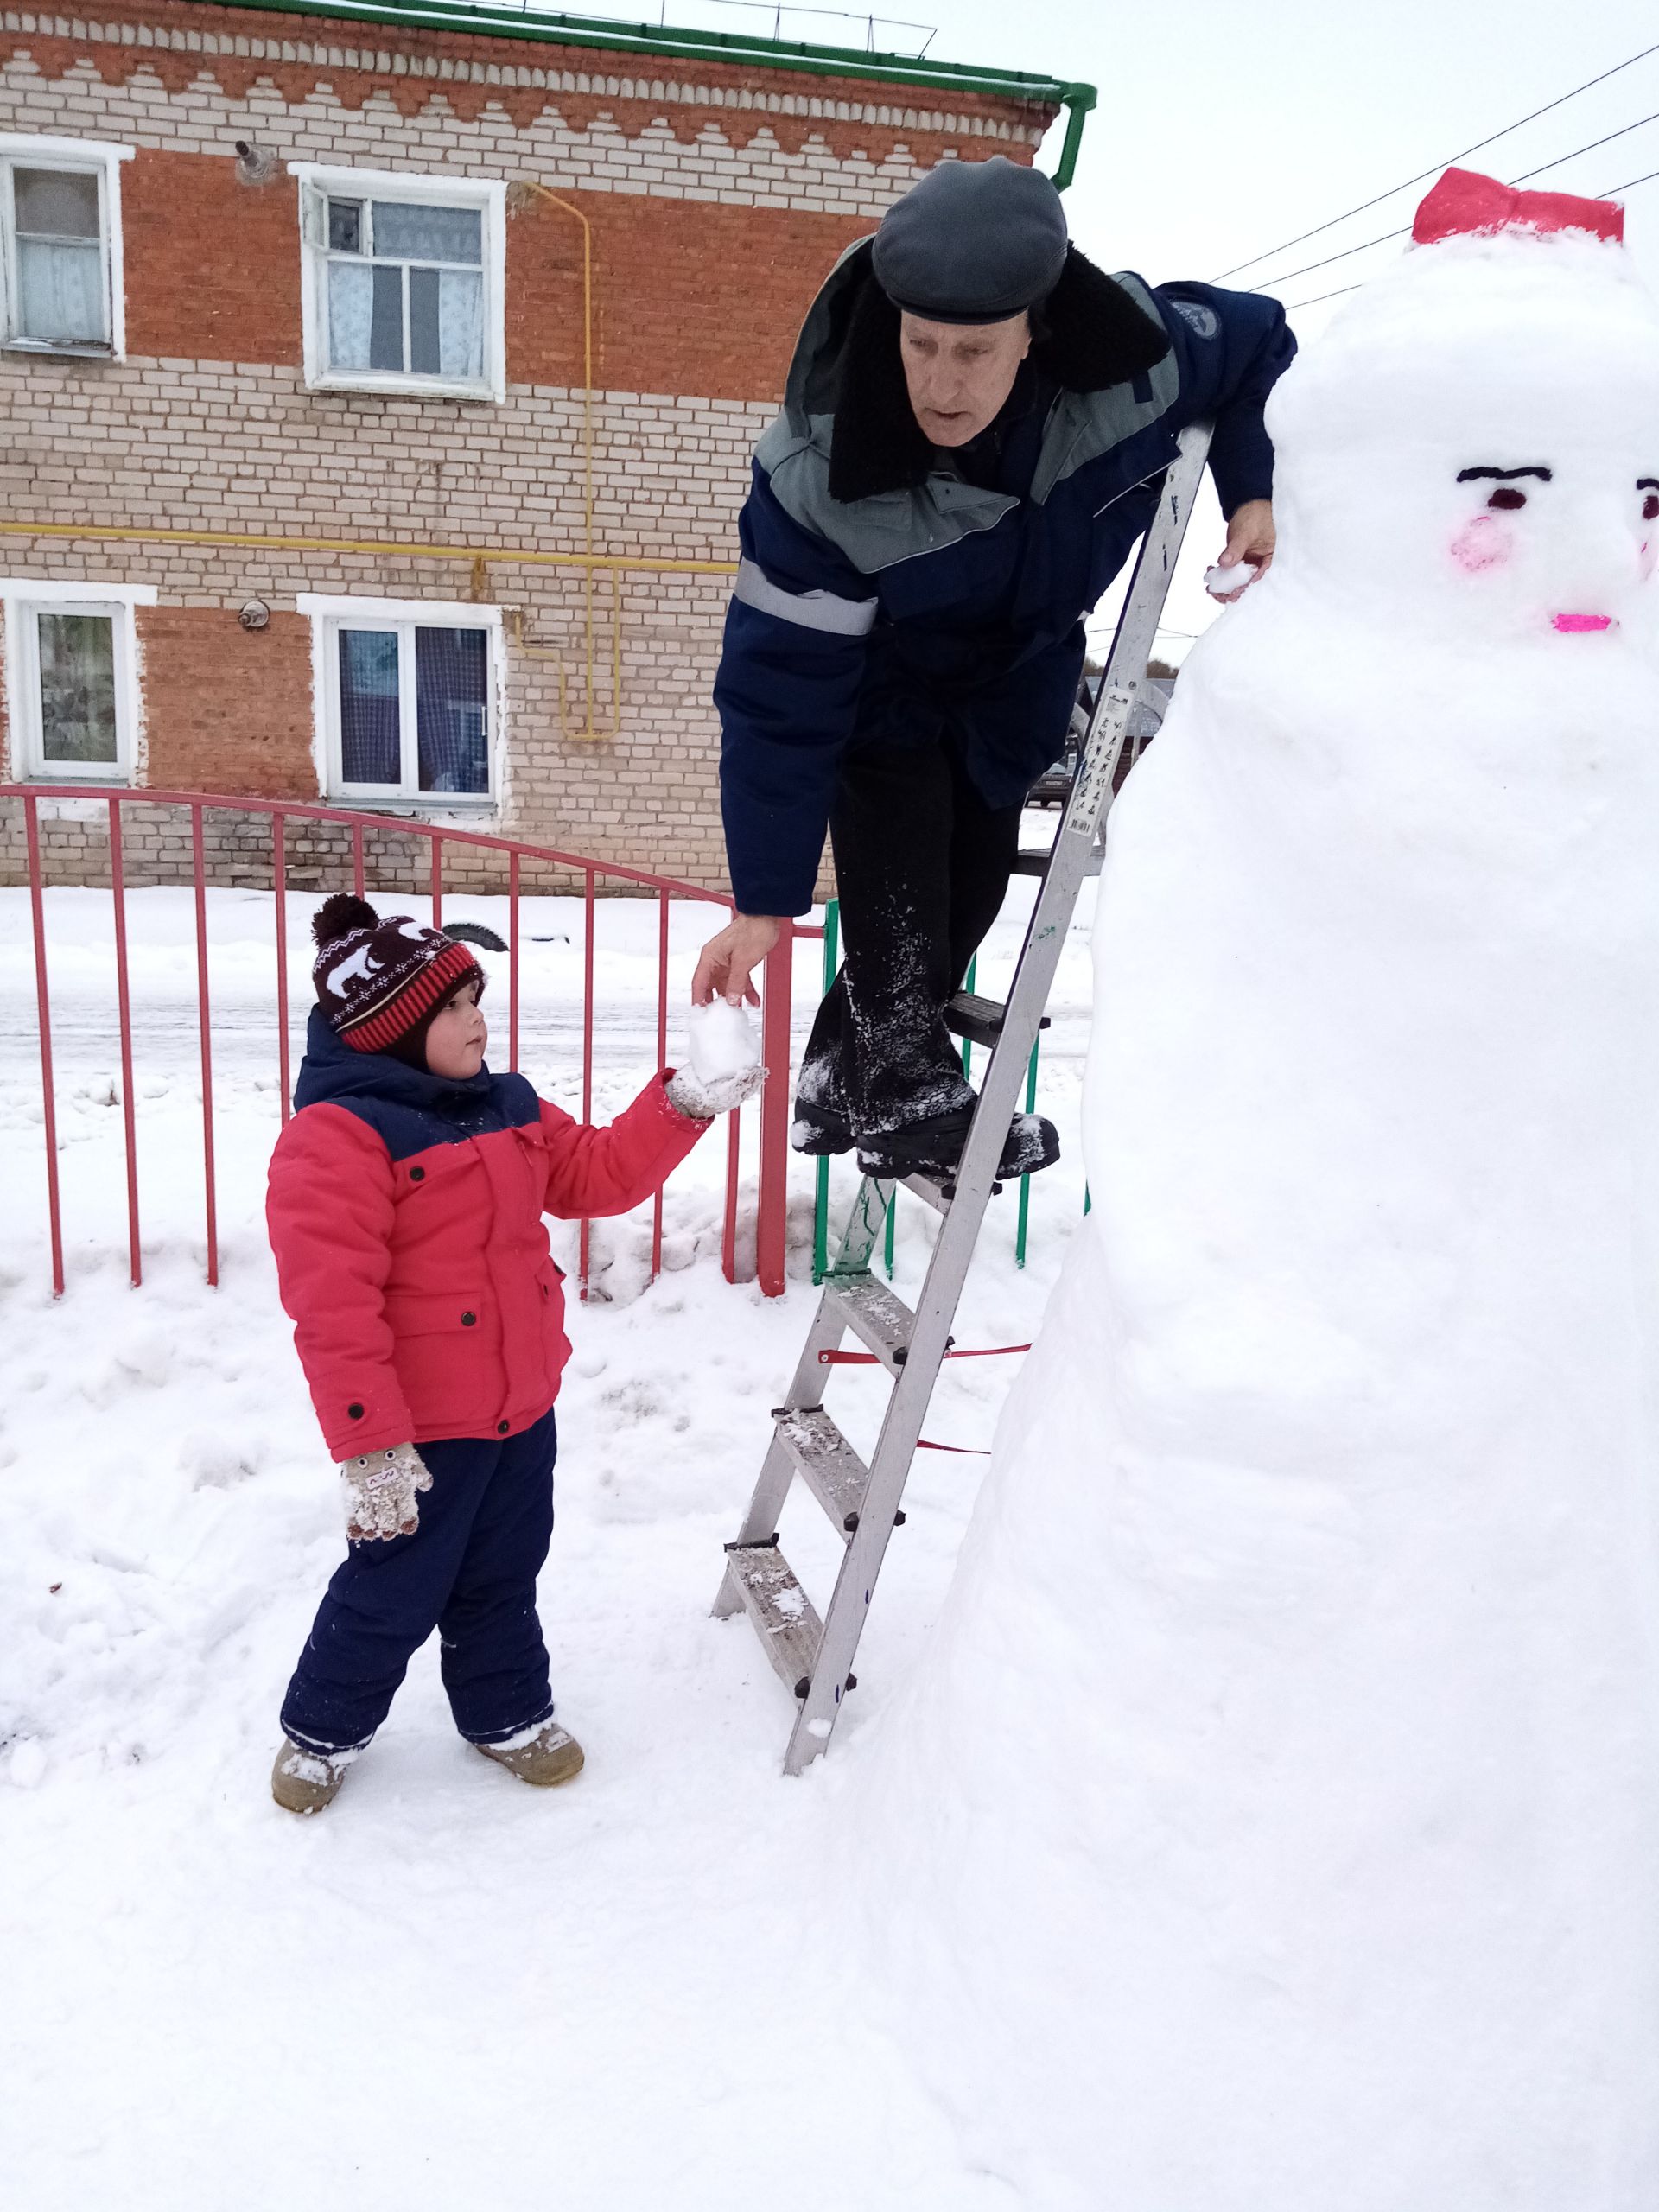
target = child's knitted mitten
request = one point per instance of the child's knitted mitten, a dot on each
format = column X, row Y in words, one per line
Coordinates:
column 380, row 1489
column 701, row 1101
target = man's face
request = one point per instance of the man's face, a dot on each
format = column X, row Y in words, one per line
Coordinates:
column 959, row 373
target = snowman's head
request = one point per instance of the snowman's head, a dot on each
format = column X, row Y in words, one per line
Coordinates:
column 1474, row 444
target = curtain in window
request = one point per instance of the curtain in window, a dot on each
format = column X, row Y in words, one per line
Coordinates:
column 77, row 666
column 460, row 323
column 60, row 258
column 403, row 232
column 452, row 709
column 351, row 314
column 370, row 719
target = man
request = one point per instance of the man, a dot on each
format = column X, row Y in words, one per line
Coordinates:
column 973, row 434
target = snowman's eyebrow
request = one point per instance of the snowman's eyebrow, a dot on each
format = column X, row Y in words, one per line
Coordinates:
column 1468, row 475
column 1647, row 483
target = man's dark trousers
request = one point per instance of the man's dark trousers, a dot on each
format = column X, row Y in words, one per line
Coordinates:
column 469, row 1571
column 922, row 866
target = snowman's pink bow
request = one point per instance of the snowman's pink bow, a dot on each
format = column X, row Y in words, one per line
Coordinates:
column 1464, row 201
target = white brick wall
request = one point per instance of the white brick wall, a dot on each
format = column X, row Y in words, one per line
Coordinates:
column 206, row 118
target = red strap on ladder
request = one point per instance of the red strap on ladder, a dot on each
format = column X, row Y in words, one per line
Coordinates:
column 922, row 1443
column 869, row 1359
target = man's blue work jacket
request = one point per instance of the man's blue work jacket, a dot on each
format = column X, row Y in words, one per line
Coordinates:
column 951, row 608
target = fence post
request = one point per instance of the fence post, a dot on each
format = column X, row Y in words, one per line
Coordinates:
column 772, row 1214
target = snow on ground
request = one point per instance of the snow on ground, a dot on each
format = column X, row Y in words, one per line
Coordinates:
column 448, row 1989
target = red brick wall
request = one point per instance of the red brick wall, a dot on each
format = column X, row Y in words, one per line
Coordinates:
column 227, row 708
column 687, row 296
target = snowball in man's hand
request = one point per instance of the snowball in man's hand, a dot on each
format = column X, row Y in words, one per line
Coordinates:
column 722, row 1041
column 1227, row 583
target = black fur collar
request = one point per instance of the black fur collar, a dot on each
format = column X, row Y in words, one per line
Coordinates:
column 1092, row 334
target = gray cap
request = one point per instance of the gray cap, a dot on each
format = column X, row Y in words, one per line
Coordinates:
column 973, row 242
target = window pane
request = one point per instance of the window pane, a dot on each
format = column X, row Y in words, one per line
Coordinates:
column 351, row 297
column 405, row 232
column 387, row 332
column 77, row 654
column 369, row 749
column 60, row 292
column 460, row 323
column 346, row 225
column 424, row 352
column 452, row 709
column 54, row 204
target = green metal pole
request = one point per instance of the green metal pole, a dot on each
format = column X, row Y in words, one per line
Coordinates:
column 1025, row 1180
column 968, row 985
column 821, row 1205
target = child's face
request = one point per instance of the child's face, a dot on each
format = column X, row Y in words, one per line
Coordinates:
column 457, row 1036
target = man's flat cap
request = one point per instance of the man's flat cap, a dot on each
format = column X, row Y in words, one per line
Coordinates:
column 973, row 242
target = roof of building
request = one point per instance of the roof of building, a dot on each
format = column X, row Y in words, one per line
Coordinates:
column 503, row 19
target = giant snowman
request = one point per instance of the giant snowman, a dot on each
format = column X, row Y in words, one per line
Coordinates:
column 1273, row 1823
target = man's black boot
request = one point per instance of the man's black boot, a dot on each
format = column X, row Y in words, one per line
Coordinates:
column 933, row 1147
column 820, row 1131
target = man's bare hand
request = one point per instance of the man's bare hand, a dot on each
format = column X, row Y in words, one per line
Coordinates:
column 1250, row 537
column 728, row 961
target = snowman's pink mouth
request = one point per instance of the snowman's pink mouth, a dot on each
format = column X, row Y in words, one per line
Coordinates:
column 1574, row 622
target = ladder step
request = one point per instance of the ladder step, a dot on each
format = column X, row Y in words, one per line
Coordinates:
column 935, row 1193
column 978, row 1019
column 833, row 1471
column 785, row 1621
column 881, row 1322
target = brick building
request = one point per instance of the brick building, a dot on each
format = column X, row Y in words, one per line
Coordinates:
column 378, row 385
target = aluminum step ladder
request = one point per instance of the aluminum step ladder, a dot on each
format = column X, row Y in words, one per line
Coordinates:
column 814, row 1658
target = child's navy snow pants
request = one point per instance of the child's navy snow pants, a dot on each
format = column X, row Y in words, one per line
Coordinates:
column 469, row 1571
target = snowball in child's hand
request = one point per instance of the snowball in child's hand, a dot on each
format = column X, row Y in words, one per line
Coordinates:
column 1227, row 583
column 721, row 1040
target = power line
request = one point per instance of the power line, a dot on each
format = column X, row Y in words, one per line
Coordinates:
column 1288, row 276
column 1437, row 167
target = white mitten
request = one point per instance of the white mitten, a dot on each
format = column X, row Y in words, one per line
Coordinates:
column 701, row 1101
column 725, row 1055
column 380, row 1489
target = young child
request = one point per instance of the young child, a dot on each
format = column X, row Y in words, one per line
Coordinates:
column 405, row 1206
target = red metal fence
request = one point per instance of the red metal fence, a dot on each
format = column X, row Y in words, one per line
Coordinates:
column 772, row 1202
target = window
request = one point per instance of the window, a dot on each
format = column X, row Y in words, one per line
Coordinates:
column 407, row 695
column 403, row 282
column 60, row 285
column 70, row 676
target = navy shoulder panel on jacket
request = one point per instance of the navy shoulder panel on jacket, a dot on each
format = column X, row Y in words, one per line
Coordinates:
column 409, row 1110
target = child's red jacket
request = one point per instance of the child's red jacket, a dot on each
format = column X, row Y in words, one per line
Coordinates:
column 406, row 1212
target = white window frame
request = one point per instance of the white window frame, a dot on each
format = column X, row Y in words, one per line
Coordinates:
column 317, row 183
column 95, row 157
column 22, row 598
column 329, row 615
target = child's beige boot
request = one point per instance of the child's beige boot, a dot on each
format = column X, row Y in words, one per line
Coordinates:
column 304, row 1781
column 544, row 1756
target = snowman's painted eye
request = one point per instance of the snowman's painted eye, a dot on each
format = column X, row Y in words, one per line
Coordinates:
column 1507, row 496
column 1650, row 505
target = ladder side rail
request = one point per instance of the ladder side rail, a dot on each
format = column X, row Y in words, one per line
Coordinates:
column 936, row 1310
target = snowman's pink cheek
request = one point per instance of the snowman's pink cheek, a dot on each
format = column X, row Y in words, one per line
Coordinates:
column 1484, row 543
column 1649, row 556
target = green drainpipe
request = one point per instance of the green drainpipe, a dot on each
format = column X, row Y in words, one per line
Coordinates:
column 1078, row 100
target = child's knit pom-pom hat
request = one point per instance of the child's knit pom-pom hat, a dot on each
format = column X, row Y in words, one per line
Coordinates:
column 380, row 982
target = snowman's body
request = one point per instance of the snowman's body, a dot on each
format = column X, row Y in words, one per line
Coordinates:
column 1288, row 1754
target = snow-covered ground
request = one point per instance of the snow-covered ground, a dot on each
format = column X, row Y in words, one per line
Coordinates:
column 449, row 1990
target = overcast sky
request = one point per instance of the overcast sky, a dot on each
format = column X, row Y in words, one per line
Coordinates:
column 1226, row 126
